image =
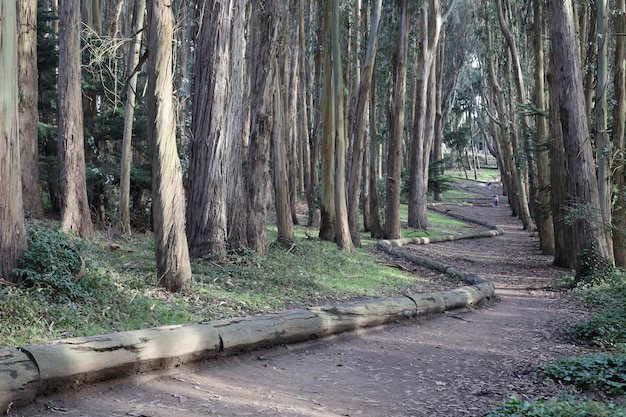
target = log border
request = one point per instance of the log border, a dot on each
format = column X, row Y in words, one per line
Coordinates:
column 35, row 370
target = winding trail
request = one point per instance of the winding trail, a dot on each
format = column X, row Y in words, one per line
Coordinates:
column 456, row 364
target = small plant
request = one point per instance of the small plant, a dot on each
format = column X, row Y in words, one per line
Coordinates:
column 565, row 405
column 601, row 371
column 608, row 327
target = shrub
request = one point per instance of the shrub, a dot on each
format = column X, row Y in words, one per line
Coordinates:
column 600, row 371
column 565, row 405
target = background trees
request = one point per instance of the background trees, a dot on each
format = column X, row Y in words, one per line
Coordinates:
column 243, row 134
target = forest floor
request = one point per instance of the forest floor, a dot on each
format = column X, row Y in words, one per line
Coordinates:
column 461, row 363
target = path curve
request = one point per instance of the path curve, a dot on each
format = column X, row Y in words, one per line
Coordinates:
column 455, row 364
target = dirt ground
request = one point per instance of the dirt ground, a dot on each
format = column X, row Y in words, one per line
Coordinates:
column 456, row 364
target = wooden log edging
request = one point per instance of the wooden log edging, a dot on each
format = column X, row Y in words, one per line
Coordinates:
column 35, row 370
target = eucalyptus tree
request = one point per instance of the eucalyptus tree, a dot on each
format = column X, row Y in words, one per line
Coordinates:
column 522, row 150
column 168, row 198
column 138, row 12
column 217, row 200
column 545, row 225
column 75, row 212
column 604, row 149
column 335, row 108
column 431, row 21
column 588, row 239
column 29, row 116
column 359, row 121
column 12, row 230
column 619, row 119
column 265, row 22
column 391, row 228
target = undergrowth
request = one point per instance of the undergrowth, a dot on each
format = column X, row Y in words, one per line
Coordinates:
column 565, row 405
column 70, row 287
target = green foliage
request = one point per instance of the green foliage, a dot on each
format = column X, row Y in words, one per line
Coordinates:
column 592, row 267
column 565, row 405
column 600, row 371
column 607, row 328
column 51, row 265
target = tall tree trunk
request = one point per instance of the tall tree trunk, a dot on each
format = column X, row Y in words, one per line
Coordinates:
column 281, row 181
column 327, row 198
column 168, row 198
column 394, row 158
column 619, row 118
column 12, row 230
column 266, row 21
column 563, row 244
column 344, row 240
column 544, row 216
column 423, row 125
column 236, row 192
column 358, row 127
column 215, row 148
column 582, row 186
column 129, row 114
column 524, row 157
column 376, row 230
column 75, row 212
column 604, row 151
column 29, row 116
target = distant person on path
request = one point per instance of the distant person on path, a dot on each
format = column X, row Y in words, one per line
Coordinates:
column 489, row 185
column 496, row 200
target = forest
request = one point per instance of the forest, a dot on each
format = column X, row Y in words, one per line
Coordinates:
column 196, row 120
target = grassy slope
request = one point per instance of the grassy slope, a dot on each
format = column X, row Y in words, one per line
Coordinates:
column 118, row 290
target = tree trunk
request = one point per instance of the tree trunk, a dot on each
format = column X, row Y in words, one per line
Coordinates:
column 29, row 116
column 394, row 159
column 327, row 200
column 358, row 127
column 308, row 154
column 75, row 211
column 563, row 245
column 344, row 240
column 604, row 151
column 544, row 215
column 266, row 21
column 281, row 181
column 217, row 129
column 582, row 184
column 619, row 118
column 12, row 230
column 168, row 198
column 524, row 157
column 129, row 114
column 376, row 230
column 422, row 126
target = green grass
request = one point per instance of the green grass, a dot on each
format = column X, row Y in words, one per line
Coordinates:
column 118, row 288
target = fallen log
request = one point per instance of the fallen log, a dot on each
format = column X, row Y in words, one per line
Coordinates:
column 19, row 378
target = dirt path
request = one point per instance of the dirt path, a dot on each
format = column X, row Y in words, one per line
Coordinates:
column 456, row 364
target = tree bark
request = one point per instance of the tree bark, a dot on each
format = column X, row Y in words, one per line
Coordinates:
column 281, row 181
column 545, row 226
column 129, row 114
column 358, row 127
column 266, row 27
column 215, row 148
column 168, row 199
column 29, row 115
column 12, row 230
column 394, row 158
column 75, row 211
column 582, row 184
column 619, row 118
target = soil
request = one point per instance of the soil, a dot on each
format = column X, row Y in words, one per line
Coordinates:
column 461, row 363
